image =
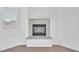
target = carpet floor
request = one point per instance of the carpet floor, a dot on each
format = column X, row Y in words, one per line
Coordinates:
column 23, row 48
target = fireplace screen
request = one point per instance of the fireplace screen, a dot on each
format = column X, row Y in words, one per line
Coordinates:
column 39, row 29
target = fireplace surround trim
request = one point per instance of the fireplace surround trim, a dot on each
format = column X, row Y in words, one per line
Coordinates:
column 40, row 21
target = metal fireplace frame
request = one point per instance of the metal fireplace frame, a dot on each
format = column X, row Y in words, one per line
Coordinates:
column 38, row 34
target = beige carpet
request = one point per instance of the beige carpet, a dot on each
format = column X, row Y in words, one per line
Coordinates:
column 23, row 48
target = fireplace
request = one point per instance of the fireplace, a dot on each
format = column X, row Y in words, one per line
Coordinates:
column 39, row 33
column 39, row 30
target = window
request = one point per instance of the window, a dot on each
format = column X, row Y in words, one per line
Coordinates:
column 9, row 18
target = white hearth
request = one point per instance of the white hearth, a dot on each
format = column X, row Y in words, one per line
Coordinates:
column 39, row 33
column 39, row 42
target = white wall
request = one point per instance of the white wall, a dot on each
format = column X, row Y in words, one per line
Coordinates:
column 12, row 38
column 23, row 18
column 67, row 27
column 41, row 11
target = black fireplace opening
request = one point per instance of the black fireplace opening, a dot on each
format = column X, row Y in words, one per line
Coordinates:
column 39, row 29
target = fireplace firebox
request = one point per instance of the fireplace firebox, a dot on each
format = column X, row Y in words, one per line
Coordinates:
column 39, row 30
